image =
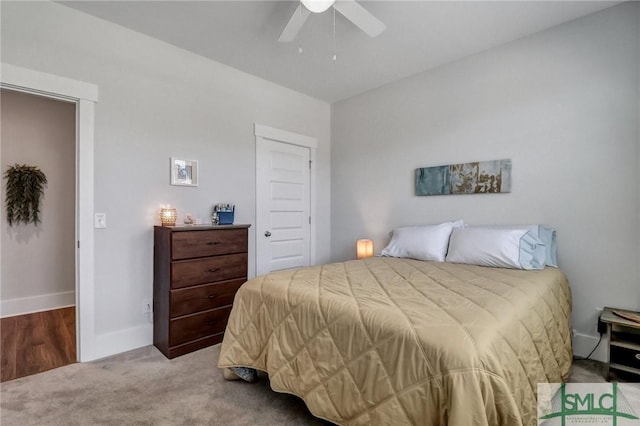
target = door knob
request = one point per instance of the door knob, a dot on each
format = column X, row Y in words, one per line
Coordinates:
column 267, row 233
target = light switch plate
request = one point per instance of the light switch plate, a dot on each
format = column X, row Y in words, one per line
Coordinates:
column 100, row 220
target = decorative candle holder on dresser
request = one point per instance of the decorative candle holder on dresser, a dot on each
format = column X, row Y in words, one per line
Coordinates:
column 196, row 273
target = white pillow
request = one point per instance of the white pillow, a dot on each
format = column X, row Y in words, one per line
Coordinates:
column 496, row 247
column 426, row 242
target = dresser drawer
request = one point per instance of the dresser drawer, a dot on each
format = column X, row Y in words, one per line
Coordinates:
column 195, row 326
column 200, row 298
column 189, row 244
column 185, row 273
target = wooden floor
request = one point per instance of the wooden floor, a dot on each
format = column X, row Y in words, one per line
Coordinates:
column 37, row 342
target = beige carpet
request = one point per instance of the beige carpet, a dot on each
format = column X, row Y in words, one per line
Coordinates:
column 142, row 387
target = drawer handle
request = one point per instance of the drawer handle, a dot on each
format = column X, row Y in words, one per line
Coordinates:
column 213, row 243
column 638, row 357
column 211, row 296
column 214, row 269
column 211, row 323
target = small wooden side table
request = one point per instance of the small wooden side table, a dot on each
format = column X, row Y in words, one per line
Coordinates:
column 623, row 351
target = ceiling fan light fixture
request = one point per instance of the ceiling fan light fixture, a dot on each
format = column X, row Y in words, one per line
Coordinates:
column 317, row 6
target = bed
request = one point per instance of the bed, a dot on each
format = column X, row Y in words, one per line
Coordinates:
column 402, row 341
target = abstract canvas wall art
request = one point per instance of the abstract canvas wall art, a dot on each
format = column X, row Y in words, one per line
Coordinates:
column 480, row 177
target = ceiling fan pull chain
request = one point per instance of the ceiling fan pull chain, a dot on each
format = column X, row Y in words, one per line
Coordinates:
column 335, row 56
column 300, row 49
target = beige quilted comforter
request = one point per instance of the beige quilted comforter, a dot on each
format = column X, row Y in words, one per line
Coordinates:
column 387, row 341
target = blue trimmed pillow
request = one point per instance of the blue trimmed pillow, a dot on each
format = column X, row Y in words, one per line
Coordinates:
column 548, row 237
column 515, row 248
column 545, row 234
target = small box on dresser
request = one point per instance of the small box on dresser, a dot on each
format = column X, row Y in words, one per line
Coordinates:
column 196, row 273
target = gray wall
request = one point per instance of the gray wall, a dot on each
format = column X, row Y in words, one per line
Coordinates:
column 38, row 263
column 562, row 104
column 158, row 101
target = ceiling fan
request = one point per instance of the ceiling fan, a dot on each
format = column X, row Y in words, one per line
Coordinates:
column 350, row 9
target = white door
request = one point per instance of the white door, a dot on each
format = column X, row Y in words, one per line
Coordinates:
column 282, row 206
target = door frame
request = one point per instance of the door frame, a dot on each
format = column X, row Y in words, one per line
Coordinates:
column 263, row 133
column 85, row 96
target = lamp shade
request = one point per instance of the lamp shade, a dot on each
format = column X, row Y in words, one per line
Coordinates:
column 317, row 6
column 168, row 217
column 364, row 249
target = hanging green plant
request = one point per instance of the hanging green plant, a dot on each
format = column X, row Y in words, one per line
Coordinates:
column 25, row 187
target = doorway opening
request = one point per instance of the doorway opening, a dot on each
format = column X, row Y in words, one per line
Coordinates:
column 38, row 262
column 84, row 96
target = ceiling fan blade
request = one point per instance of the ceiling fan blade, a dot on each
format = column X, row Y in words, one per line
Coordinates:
column 360, row 16
column 296, row 22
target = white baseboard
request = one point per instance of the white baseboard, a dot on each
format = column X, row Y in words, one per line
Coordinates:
column 44, row 302
column 108, row 344
column 584, row 343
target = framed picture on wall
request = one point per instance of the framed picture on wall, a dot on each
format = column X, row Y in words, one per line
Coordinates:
column 184, row 172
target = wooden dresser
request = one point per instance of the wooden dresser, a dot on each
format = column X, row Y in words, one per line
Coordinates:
column 196, row 273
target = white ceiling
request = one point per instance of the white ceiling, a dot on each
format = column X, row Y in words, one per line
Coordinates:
column 420, row 35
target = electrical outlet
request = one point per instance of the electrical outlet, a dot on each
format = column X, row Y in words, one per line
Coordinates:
column 146, row 306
